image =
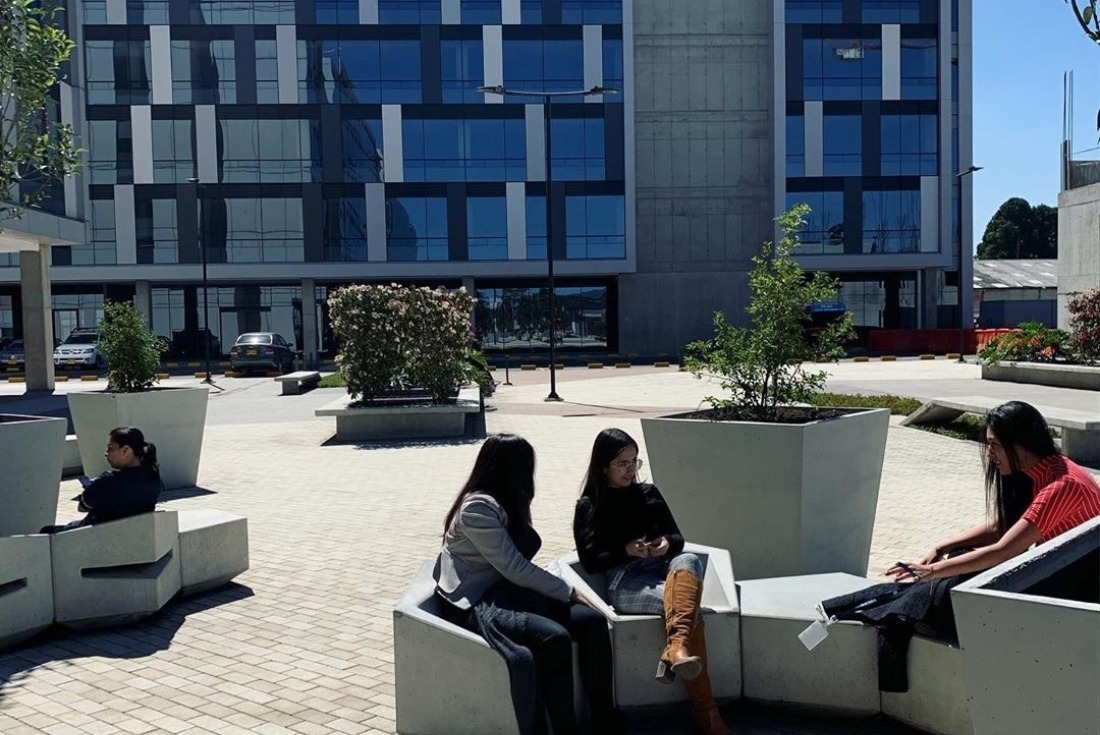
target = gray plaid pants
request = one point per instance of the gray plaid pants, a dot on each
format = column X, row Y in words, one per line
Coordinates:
column 638, row 587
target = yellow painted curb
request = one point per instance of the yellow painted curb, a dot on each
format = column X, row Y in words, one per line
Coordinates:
column 661, row 363
column 89, row 378
column 595, row 366
column 928, row 357
column 492, row 368
column 861, row 358
column 888, row 358
column 622, row 364
column 231, row 374
column 559, row 366
column 61, row 378
column 952, row 355
column 528, row 366
column 273, row 373
column 194, row 364
column 163, row 376
column 200, row 374
column 171, row 364
column 16, row 379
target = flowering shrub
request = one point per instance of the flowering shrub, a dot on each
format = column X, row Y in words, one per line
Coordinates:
column 1032, row 342
column 394, row 338
column 1084, row 323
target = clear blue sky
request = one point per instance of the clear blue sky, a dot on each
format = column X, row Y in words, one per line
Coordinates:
column 1021, row 49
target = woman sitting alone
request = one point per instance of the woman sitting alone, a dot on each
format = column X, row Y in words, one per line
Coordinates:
column 131, row 487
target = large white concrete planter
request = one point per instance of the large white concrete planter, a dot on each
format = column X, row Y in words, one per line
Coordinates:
column 417, row 421
column 1080, row 377
column 172, row 418
column 33, row 447
column 1032, row 660
column 785, row 499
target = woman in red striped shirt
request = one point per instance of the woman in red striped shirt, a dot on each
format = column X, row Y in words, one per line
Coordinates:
column 1034, row 494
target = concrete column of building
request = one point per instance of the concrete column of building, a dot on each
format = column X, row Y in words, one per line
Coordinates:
column 143, row 299
column 310, row 345
column 34, row 273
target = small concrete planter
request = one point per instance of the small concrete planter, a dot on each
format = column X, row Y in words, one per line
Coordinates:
column 785, row 499
column 1081, row 377
column 172, row 418
column 419, row 421
column 1030, row 635
column 33, row 448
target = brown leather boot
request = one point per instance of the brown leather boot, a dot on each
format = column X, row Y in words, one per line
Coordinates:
column 705, row 712
column 683, row 590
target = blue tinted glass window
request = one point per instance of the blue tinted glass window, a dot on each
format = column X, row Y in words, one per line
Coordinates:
column 345, row 229
column 530, row 12
column 416, row 228
column 258, row 230
column 554, row 65
column 796, row 145
column 891, row 221
column 595, row 227
column 220, row 12
column 267, row 72
column 909, row 145
column 270, row 150
column 842, row 68
column 400, row 71
column 591, row 12
column 487, row 228
column 824, row 231
column 336, row 11
column 815, row 11
column 481, row 12
column 146, row 12
column 118, row 72
column 891, row 11
column 918, row 68
column 536, row 228
column 613, row 68
column 842, row 145
column 577, row 147
column 462, row 70
column 464, row 150
column 173, row 157
column 361, row 146
column 411, row 12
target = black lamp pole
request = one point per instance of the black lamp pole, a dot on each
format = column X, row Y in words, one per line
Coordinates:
column 964, row 323
column 546, row 97
column 205, row 296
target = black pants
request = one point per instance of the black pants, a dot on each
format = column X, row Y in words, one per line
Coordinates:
column 534, row 634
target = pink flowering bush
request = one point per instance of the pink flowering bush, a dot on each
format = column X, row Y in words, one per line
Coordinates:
column 395, row 338
column 1084, row 324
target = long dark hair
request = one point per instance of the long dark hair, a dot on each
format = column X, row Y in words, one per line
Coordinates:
column 1017, row 425
column 146, row 452
column 505, row 470
column 607, row 446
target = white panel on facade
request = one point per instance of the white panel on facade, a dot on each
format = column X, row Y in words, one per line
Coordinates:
column 451, row 12
column 929, row 214
column 492, row 42
column 510, row 12
column 376, row 222
column 206, row 143
column 593, row 60
column 815, row 139
column 393, row 159
column 125, row 225
column 160, row 48
column 116, row 12
column 68, row 117
column 516, row 198
column 368, row 12
column 536, row 142
column 286, row 55
column 891, row 62
column 141, row 125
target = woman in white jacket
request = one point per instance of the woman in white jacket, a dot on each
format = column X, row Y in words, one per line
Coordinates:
column 487, row 583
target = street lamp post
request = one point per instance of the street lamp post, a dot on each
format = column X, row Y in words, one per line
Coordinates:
column 547, row 97
column 963, row 322
column 208, row 380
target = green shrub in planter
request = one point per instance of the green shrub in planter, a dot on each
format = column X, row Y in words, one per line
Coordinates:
column 131, row 349
column 1032, row 342
column 396, row 338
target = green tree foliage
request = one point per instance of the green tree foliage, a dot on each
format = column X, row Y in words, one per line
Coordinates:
column 1019, row 230
column 132, row 351
column 36, row 151
column 761, row 367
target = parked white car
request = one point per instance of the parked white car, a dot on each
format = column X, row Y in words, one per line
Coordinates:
column 80, row 349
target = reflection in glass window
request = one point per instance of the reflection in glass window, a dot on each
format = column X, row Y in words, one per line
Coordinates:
column 796, row 145
column 591, row 12
column 842, row 145
column 103, row 238
column 891, row 221
column 257, row 230
column 481, row 12
column 536, row 228
column 110, row 152
column 824, row 231
column 842, row 68
column 362, row 150
column 613, row 69
column 891, row 11
column 464, row 150
column 909, row 145
column 487, row 228
column 173, row 159
column 411, row 12
column 815, row 11
column 146, row 12
column 345, row 229
column 204, row 72
column 517, row 318
column 416, row 228
column 267, row 72
column 95, row 12
column 242, row 12
column 270, row 151
column 157, row 234
column 595, row 227
column 463, row 69
column 359, row 71
column 336, row 11
column 578, row 149
column 117, row 72
column 552, row 65
column 530, row 12
column 918, row 68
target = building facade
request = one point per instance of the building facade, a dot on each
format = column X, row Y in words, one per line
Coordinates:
column 299, row 145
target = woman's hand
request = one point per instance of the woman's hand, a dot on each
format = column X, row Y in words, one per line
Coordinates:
column 931, row 556
column 658, row 547
column 637, row 548
column 578, row 596
column 915, row 571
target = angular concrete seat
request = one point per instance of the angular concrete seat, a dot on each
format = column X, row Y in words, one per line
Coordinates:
column 448, row 681
column 937, row 701
column 637, row 640
column 840, row 674
column 26, row 588
column 115, row 572
column 213, row 548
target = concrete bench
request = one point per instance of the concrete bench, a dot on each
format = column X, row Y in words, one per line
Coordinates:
column 213, row 548
column 637, row 640
column 299, row 382
column 26, row 588
column 937, row 700
column 115, row 572
column 71, row 464
column 1080, row 429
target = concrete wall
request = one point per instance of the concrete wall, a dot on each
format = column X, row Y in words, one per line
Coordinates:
column 704, row 166
column 1078, row 245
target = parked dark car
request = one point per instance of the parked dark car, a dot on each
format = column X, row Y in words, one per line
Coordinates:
column 13, row 354
column 261, row 351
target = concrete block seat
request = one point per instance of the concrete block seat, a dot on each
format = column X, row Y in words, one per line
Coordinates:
column 637, row 640
column 937, row 700
column 448, row 681
column 299, row 382
column 213, row 548
column 26, row 588
column 115, row 572
column 839, row 674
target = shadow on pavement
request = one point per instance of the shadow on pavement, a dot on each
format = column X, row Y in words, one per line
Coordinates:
column 746, row 718
column 182, row 493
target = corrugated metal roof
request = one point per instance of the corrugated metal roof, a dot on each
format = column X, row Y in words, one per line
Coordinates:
column 1015, row 274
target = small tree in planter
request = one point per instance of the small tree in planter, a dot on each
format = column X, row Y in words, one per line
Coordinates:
column 395, row 338
column 132, row 351
column 761, row 366
column 1084, row 323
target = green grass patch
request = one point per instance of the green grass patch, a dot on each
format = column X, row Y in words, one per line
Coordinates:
column 335, row 380
column 967, row 426
column 898, row 406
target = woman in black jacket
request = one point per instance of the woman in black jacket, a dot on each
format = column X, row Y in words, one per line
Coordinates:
column 625, row 530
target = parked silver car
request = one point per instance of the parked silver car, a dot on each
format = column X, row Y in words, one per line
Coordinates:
column 80, row 349
column 261, row 351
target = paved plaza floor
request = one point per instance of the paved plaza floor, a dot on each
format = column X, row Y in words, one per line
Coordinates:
column 302, row 643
